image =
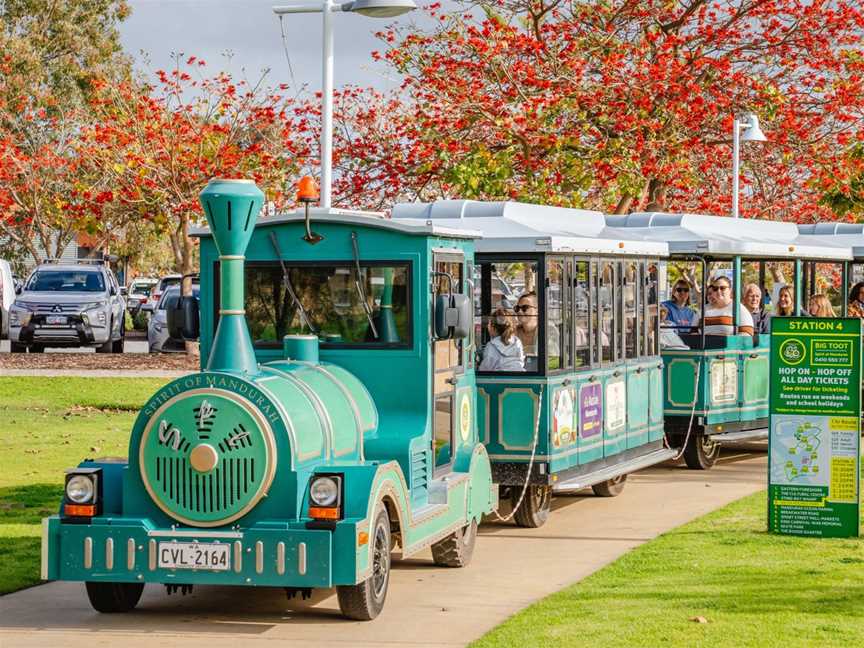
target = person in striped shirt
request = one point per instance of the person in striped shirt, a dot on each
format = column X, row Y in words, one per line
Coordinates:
column 718, row 318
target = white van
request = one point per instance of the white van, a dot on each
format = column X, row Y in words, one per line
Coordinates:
column 7, row 296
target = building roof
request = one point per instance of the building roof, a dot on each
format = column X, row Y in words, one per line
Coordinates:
column 725, row 236
column 522, row 227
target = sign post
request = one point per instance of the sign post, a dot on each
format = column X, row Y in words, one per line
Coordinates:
column 815, row 415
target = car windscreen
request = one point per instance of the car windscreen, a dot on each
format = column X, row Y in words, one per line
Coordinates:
column 141, row 288
column 66, row 281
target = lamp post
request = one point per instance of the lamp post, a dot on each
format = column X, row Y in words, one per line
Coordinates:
column 371, row 8
column 748, row 131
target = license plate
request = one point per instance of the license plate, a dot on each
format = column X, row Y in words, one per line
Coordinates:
column 194, row 555
column 55, row 319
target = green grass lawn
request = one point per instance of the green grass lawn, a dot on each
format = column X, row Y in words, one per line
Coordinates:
column 46, row 426
column 753, row 589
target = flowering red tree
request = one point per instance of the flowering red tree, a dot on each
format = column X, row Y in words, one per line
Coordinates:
column 160, row 145
column 615, row 104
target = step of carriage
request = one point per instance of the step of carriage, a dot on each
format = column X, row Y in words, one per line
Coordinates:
column 759, row 434
column 610, row 472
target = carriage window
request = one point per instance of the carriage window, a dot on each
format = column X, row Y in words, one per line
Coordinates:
column 605, row 306
column 593, row 299
column 557, row 334
column 823, row 279
column 682, row 310
column 331, row 301
column 507, row 316
column 582, row 322
column 766, row 289
column 631, row 303
column 650, row 283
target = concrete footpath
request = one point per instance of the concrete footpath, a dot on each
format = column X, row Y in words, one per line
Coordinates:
column 426, row 606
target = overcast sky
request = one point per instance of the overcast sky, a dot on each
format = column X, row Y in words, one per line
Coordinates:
column 249, row 29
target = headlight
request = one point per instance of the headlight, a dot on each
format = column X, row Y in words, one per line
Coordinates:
column 99, row 317
column 324, row 491
column 80, row 489
column 93, row 305
column 19, row 314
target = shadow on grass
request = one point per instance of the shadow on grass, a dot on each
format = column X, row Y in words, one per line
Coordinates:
column 29, row 504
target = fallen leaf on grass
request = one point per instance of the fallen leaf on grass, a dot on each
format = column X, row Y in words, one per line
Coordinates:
column 699, row 619
column 94, row 448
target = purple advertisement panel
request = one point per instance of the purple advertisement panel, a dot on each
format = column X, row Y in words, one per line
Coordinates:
column 590, row 410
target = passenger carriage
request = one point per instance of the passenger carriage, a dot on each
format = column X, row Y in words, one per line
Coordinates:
column 586, row 408
column 716, row 387
column 309, row 445
column 842, row 278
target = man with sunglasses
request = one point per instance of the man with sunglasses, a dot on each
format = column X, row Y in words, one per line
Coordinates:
column 678, row 308
column 719, row 313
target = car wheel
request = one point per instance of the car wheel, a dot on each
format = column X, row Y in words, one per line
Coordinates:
column 108, row 346
column 117, row 345
column 37, row 348
column 17, row 347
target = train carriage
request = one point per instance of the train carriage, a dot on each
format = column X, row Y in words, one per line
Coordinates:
column 308, row 446
column 716, row 386
column 585, row 407
column 838, row 284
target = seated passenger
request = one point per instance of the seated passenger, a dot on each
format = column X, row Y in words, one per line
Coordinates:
column 669, row 338
column 526, row 330
column 752, row 300
column 718, row 312
column 681, row 316
column 504, row 351
column 856, row 300
column 785, row 306
column 820, row 306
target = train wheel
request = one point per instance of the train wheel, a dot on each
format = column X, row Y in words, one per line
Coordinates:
column 534, row 509
column 364, row 601
column 456, row 549
column 701, row 453
column 114, row 597
column 611, row 487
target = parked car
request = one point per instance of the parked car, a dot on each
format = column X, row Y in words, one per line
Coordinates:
column 160, row 287
column 69, row 305
column 7, row 296
column 139, row 293
column 158, row 336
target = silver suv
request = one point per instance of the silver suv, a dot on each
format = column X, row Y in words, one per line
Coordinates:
column 68, row 305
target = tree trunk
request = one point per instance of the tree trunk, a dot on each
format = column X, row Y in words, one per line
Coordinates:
column 623, row 206
column 187, row 249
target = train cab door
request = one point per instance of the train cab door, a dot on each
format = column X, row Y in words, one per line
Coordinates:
column 447, row 366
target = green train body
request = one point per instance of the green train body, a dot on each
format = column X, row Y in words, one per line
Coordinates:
column 354, row 368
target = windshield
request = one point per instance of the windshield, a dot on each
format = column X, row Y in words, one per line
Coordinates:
column 331, row 296
column 141, row 287
column 66, row 281
column 170, row 297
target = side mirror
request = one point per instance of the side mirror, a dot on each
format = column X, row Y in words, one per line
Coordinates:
column 184, row 320
column 124, row 291
column 17, row 290
column 453, row 316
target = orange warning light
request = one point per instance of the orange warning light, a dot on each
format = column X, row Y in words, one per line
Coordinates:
column 307, row 192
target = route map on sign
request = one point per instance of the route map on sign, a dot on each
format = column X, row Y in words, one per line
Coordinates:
column 795, row 454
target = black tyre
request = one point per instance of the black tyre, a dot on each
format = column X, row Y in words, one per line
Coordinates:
column 701, row 453
column 114, row 597
column 457, row 548
column 108, row 346
column 534, row 509
column 16, row 347
column 37, row 348
column 117, row 345
column 611, row 487
column 364, row 601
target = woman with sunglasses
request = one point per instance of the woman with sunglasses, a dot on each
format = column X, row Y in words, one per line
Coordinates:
column 680, row 315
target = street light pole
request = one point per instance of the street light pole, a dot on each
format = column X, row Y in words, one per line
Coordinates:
column 751, row 133
column 736, row 153
column 371, row 8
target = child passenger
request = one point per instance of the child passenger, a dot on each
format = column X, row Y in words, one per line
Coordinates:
column 504, row 352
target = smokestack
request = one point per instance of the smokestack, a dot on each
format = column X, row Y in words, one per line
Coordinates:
column 232, row 208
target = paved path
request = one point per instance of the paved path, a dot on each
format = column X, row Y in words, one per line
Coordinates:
column 426, row 606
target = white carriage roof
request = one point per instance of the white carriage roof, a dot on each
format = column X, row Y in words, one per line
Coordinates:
column 522, row 227
column 416, row 227
column 849, row 234
column 725, row 236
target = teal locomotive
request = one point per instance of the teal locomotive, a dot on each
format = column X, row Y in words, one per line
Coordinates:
column 280, row 464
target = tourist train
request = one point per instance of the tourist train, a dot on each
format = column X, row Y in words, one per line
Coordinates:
column 373, row 387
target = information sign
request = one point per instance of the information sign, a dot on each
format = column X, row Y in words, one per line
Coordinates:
column 815, row 414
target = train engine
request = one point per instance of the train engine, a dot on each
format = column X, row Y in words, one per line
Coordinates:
column 241, row 474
